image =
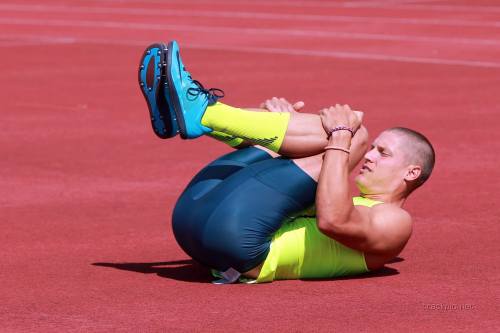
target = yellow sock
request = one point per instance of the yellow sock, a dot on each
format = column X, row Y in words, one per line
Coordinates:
column 226, row 138
column 263, row 128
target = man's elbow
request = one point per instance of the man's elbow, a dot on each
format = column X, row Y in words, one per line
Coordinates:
column 329, row 227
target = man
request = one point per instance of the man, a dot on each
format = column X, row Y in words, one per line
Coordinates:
column 232, row 215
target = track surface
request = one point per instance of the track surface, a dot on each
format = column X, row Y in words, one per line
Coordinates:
column 87, row 189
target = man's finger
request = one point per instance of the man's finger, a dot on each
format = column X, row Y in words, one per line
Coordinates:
column 360, row 115
column 299, row 105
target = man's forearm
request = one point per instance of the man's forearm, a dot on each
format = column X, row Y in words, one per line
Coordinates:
column 333, row 197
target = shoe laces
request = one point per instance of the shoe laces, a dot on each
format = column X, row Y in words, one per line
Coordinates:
column 212, row 94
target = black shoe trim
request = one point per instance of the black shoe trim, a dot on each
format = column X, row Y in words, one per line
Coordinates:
column 160, row 122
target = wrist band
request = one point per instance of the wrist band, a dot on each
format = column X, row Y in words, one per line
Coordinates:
column 345, row 150
column 341, row 128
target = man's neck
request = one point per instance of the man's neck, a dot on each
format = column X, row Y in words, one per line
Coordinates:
column 392, row 198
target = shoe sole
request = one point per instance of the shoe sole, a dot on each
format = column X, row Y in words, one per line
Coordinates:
column 151, row 77
column 174, row 98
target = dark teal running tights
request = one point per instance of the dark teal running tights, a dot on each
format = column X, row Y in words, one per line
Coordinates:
column 228, row 213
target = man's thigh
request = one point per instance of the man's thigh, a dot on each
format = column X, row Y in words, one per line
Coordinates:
column 232, row 224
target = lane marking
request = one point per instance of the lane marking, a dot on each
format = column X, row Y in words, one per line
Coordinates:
column 52, row 106
column 245, row 15
column 30, row 40
column 353, row 55
column 396, row 5
column 299, row 52
column 251, row 31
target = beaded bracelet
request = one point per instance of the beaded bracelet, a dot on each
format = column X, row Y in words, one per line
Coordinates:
column 341, row 128
column 338, row 148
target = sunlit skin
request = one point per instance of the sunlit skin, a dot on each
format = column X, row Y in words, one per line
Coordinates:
column 382, row 231
column 386, row 170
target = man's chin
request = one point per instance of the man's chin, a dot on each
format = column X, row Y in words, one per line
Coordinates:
column 360, row 182
column 359, row 179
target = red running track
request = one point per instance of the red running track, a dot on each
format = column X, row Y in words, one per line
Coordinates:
column 87, row 189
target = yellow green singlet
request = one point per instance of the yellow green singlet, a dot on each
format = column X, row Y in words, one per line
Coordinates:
column 300, row 251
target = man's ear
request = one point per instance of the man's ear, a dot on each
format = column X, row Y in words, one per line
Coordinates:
column 413, row 172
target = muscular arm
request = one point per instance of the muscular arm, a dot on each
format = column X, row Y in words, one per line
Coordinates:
column 383, row 229
column 333, row 198
column 335, row 213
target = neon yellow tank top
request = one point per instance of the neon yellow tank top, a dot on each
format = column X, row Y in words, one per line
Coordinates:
column 300, row 251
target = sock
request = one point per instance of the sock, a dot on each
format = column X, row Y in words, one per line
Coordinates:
column 226, row 138
column 263, row 128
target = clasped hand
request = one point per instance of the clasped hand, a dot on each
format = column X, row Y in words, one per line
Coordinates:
column 340, row 115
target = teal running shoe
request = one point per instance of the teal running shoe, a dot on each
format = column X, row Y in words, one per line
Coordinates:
column 187, row 97
column 152, row 79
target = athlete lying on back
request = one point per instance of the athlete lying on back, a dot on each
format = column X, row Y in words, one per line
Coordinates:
column 231, row 216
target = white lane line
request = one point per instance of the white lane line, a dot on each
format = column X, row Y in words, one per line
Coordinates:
column 246, row 15
column 366, row 56
column 27, row 43
column 427, row 7
column 299, row 52
column 248, row 31
column 36, row 105
column 329, row 4
column 8, row 41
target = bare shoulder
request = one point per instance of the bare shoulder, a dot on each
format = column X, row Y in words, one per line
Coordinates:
column 391, row 213
column 393, row 227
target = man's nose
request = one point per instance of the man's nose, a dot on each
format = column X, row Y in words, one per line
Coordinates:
column 369, row 155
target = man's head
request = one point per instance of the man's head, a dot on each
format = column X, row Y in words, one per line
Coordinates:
column 399, row 161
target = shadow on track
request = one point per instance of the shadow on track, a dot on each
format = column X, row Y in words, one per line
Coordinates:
column 384, row 271
column 190, row 271
column 183, row 270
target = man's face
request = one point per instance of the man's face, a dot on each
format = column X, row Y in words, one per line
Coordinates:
column 385, row 165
